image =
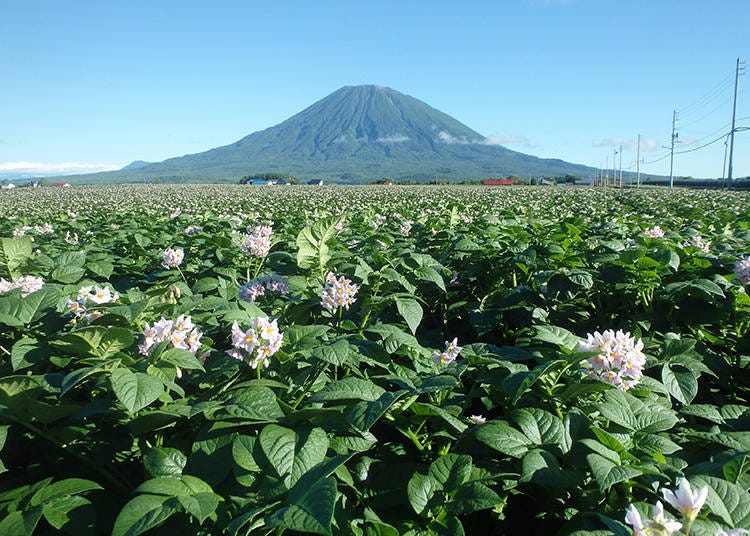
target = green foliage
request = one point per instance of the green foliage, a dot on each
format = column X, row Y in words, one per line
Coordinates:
column 358, row 424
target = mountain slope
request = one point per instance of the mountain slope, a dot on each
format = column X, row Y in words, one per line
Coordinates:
column 356, row 134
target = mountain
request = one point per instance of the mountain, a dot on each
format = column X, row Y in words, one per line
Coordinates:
column 136, row 164
column 356, row 134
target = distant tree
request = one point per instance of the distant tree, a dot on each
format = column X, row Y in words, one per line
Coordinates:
column 570, row 179
column 268, row 177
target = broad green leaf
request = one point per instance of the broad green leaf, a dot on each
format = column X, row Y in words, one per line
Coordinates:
column 607, row 473
column 424, row 493
column 422, row 408
column 71, row 514
column 27, row 352
column 13, row 252
column 681, row 382
column 312, row 244
column 451, row 470
column 291, row 454
column 181, row 358
column 336, row 353
column 437, row 383
column 77, row 376
column 200, row 505
column 635, row 414
column 164, row 461
column 69, row 486
column 540, row 426
column 727, row 500
column 542, row 468
column 556, row 335
column 135, row 390
column 349, row 388
column 364, row 414
column 255, row 402
column 144, row 512
column 411, row 312
column 243, row 448
column 174, row 486
column 472, row 497
column 502, row 437
column 68, row 274
column 16, row 311
column 21, row 522
column 309, row 510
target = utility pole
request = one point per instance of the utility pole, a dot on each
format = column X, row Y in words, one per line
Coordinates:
column 620, row 166
column 638, row 164
column 734, row 115
column 671, row 150
column 614, row 167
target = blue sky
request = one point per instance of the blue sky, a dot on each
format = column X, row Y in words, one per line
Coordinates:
column 90, row 85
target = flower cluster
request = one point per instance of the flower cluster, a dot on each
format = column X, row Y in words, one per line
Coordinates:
column 338, row 292
column 257, row 287
column 684, row 500
column 696, row 241
column 172, row 258
column 257, row 344
column 71, row 238
column 654, row 232
column 742, row 270
column 91, row 295
column 452, row 349
column 27, row 284
column 620, row 360
column 181, row 332
column 192, row 229
column 257, row 241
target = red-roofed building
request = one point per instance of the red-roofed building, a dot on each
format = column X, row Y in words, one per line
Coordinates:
column 497, row 182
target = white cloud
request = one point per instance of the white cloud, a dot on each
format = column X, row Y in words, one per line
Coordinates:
column 647, row 144
column 446, row 137
column 47, row 169
column 396, row 138
column 504, row 140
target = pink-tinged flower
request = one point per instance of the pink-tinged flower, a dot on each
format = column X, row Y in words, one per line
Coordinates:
column 180, row 333
column 654, row 232
column 742, row 270
column 620, row 360
column 172, row 258
column 731, row 532
column 449, row 354
column 478, row 419
column 337, row 293
column 660, row 525
column 257, row 344
column 696, row 241
column 258, row 241
column 254, row 288
column 689, row 503
column 27, row 284
column 633, row 518
column 102, row 295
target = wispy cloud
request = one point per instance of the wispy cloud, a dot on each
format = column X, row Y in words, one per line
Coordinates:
column 647, row 144
column 396, row 138
column 49, row 169
column 506, row 140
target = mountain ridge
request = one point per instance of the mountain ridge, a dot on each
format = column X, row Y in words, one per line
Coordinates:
column 356, row 134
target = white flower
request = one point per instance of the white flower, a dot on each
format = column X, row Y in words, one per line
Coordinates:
column 171, row 258
column 27, row 284
column 181, row 333
column 654, row 232
column 478, row 419
column 258, row 241
column 660, row 525
column 620, row 360
column 685, row 500
column 258, row 286
column 742, row 270
column 449, row 354
column 731, row 532
column 633, row 518
column 338, row 292
column 257, row 344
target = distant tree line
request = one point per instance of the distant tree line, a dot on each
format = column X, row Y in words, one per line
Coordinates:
column 268, row 177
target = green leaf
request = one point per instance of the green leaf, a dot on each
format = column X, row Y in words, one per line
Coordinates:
column 21, row 522
column 424, row 493
column 472, row 497
column 556, row 335
column 255, row 402
column 69, row 486
column 422, row 408
column 174, row 486
column 729, row 501
column 164, row 461
column 542, row 468
column 143, row 513
column 135, row 390
column 312, row 244
column 26, row 352
column 243, row 448
column 336, row 353
column 309, row 509
column 635, row 414
column 68, row 274
column 349, row 388
column 200, row 505
column 103, row 268
column 451, row 470
column 97, row 341
column 13, row 252
column 364, row 414
column 181, row 358
column 411, row 312
column 681, row 382
column 16, row 311
column 502, row 437
column 71, row 514
column 607, row 473
column 291, row 454
column 540, row 426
